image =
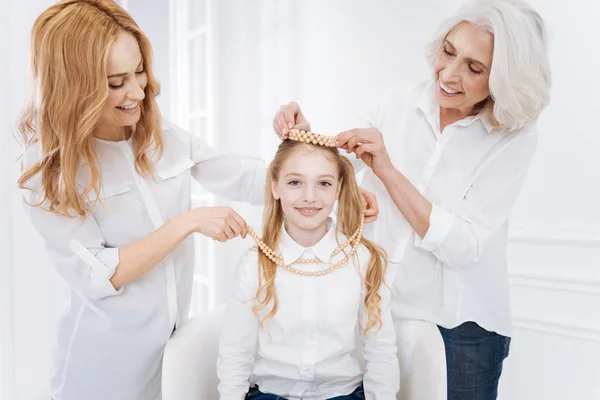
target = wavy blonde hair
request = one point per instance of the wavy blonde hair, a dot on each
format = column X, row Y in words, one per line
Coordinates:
column 350, row 208
column 70, row 43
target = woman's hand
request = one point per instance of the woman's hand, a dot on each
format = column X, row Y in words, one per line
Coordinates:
column 289, row 117
column 372, row 209
column 218, row 223
column 368, row 145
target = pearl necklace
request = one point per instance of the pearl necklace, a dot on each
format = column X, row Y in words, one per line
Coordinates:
column 278, row 258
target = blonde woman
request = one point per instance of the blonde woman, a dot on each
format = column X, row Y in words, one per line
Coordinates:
column 447, row 160
column 107, row 185
column 310, row 291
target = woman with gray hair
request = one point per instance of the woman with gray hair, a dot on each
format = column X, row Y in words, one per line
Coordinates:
column 447, row 160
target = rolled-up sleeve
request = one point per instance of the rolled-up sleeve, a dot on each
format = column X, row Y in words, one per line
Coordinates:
column 440, row 225
column 457, row 235
column 78, row 250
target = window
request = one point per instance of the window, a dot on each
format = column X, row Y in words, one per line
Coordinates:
column 192, row 109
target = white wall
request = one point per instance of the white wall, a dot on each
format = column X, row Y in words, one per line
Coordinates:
column 6, row 287
column 35, row 286
column 152, row 16
column 336, row 58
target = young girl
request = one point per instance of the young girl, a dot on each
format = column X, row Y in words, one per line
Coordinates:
column 309, row 292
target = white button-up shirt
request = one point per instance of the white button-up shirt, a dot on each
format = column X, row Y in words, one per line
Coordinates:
column 306, row 350
column 472, row 174
column 110, row 342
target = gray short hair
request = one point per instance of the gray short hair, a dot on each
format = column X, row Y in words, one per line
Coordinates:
column 520, row 77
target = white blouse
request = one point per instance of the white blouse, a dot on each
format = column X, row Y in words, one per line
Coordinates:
column 110, row 342
column 472, row 174
column 308, row 348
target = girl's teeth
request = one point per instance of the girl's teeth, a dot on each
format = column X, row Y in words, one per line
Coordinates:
column 308, row 210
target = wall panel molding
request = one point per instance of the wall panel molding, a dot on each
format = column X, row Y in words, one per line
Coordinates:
column 575, row 283
column 578, row 237
column 569, row 330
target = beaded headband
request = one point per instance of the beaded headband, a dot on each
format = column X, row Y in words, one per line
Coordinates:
column 312, row 138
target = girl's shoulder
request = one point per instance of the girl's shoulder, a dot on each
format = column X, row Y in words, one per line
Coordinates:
column 249, row 258
column 247, row 268
column 251, row 255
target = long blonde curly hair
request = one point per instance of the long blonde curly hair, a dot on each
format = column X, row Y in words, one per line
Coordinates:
column 70, row 43
column 350, row 207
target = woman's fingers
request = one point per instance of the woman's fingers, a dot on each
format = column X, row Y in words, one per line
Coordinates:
column 303, row 126
column 365, row 148
column 372, row 208
column 220, row 238
column 282, row 124
column 290, row 117
column 229, row 232
column 232, row 226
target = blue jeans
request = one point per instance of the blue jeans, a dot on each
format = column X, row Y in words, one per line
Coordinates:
column 474, row 359
column 256, row 394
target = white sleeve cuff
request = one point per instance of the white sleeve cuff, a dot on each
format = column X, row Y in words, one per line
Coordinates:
column 102, row 268
column 440, row 224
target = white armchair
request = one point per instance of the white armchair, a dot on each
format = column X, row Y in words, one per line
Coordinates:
column 422, row 359
column 189, row 363
column 190, row 358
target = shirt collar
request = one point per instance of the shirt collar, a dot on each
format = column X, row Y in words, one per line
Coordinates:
column 426, row 102
column 293, row 251
column 430, row 108
column 486, row 119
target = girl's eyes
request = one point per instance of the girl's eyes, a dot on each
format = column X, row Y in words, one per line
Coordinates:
column 322, row 183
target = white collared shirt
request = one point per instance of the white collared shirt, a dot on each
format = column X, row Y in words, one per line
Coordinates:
column 110, row 342
column 472, row 174
column 306, row 350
